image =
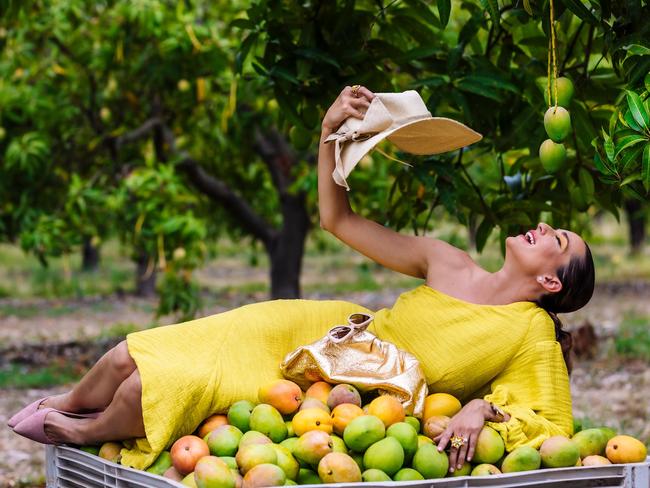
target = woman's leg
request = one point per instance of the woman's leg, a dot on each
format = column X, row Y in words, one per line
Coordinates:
column 98, row 386
column 121, row 420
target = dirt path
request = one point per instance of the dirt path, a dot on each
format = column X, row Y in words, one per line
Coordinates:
column 624, row 406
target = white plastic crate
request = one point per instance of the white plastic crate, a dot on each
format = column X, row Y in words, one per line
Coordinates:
column 71, row 468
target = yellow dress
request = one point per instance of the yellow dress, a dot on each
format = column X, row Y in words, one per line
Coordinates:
column 506, row 354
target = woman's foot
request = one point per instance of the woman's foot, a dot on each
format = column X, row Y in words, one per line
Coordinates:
column 56, row 401
column 61, row 429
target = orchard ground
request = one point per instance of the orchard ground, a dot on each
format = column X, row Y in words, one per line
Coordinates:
column 60, row 305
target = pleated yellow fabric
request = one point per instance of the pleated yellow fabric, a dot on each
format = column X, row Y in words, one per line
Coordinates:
column 507, row 352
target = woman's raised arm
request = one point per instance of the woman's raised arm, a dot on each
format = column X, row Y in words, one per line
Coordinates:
column 402, row 253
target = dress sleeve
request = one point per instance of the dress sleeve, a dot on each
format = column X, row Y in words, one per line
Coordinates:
column 534, row 390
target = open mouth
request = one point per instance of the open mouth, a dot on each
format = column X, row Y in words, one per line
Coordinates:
column 530, row 238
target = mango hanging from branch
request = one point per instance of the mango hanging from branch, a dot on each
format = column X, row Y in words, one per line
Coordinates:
column 557, row 123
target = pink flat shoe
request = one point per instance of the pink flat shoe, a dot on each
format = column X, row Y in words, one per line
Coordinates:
column 25, row 412
column 33, row 427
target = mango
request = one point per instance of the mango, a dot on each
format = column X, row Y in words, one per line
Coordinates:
column 407, row 474
column 625, row 449
column 430, row 462
column 590, row 442
column 489, row 447
column 557, row 123
column 343, row 394
column 212, row 472
column 407, row 436
column 286, row 461
column 189, row 480
column 595, row 460
column 264, row 475
column 414, row 422
column 319, row 390
column 441, row 404
column 312, row 446
column 386, row 454
column 422, row 440
column 284, row 395
column 110, row 451
column 363, row 431
column 337, row 467
column 523, row 458
column 338, row 444
column 552, row 155
column 564, row 91
column 268, row 420
column 211, row 423
column 609, row 432
column 253, row 437
column 358, row 458
column 224, row 440
column 239, row 414
column 388, row 408
column 289, row 443
column 254, row 454
column 308, row 477
column 313, row 403
column 311, row 419
column 343, row 414
column 559, row 452
column 162, row 463
column 464, row 470
column 374, row 475
column 435, row 425
column 230, row 461
column 485, row 470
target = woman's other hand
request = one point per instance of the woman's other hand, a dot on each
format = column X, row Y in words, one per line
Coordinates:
column 347, row 105
column 466, row 424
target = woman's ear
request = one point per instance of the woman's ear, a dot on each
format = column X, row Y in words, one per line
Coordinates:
column 551, row 283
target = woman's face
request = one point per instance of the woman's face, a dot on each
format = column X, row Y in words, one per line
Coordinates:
column 540, row 252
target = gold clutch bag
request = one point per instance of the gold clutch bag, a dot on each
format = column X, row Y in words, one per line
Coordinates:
column 350, row 354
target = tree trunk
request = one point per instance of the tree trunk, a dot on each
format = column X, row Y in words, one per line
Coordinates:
column 89, row 255
column 286, row 249
column 145, row 277
column 636, row 221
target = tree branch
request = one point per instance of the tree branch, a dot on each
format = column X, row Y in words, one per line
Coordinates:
column 137, row 133
column 277, row 155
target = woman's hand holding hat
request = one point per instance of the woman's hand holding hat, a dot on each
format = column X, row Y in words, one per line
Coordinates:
column 349, row 103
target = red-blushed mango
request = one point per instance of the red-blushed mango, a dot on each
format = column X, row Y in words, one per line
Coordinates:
column 254, row 454
column 312, row 446
column 435, row 425
column 489, row 447
column 343, row 394
column 173, row 474
column 595, row 460
column 253, row 437
column 388, row 408
column 284, row 395
column 559, row 452
column 264, row 475
column 311, row 419
column 337, row 467
column 211, row 423
column 343, row 414
column 625, row 449
column 485, row 470
column 310, row 402
column 212, row 472
column 186, row 452
column 319, row 390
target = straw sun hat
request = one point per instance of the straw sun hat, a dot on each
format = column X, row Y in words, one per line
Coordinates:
column 404, row 120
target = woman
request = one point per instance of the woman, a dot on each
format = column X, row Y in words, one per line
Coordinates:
column 487, row 338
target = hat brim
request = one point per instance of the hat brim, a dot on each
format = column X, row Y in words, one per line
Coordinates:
column 434, row 135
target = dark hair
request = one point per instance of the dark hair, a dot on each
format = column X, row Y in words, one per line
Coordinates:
column 577, row 278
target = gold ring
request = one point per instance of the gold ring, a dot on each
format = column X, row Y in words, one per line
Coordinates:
column 457, row 441
column 355, row 90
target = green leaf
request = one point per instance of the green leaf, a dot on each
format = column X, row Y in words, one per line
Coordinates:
column 478, row 88
column 629, row 121
column 646, row 82
column 631, row 179
column 527, row 8
column 578, row 8
column 444, row 10
column 242, row 24
column 629, row 157
column 318, row 55
column 628, row 141
column 638, row 110
column 609, row 146
column 245, row 48
column 492, row 6
column 645, row 167
column 637, row 49
column 483, row 232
